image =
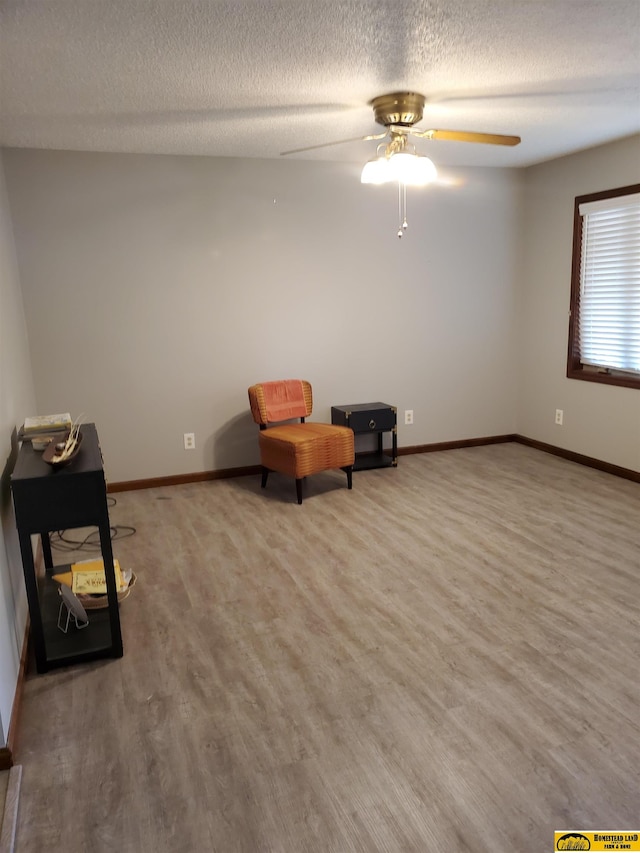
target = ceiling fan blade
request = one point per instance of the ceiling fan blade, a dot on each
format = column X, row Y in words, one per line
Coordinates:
column 338, row 142
column 467, row 136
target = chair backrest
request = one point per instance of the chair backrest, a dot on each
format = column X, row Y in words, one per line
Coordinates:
column 259, row 397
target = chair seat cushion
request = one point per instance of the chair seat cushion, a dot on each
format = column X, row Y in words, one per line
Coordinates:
column 302, row 449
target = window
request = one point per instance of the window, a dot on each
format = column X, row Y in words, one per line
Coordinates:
column 604, row 325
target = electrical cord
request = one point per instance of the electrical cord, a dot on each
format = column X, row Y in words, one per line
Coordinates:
column 91, row 542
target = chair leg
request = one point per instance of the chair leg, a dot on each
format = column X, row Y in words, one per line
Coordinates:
column 299, row 490
column 348, row 470
column 265, row 474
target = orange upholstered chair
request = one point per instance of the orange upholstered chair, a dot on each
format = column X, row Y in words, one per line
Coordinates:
column 297, row 449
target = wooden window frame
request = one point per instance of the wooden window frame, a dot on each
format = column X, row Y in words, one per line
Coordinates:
column 575, row 368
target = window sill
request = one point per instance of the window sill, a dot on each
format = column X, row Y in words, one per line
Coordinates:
column 621, row 380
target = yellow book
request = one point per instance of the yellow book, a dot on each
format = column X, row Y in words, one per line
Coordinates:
column 87, row 577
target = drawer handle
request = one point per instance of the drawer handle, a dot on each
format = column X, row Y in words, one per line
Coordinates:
column 372, row 424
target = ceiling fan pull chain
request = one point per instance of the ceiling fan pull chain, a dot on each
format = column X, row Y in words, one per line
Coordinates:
column 402, row 208
column 405, row 224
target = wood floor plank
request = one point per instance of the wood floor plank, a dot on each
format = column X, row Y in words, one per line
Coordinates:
column 444, row 658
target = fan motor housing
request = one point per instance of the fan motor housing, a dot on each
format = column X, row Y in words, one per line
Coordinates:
column 401, row 108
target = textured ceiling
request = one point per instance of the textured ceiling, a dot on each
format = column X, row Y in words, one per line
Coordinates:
column 254, row 78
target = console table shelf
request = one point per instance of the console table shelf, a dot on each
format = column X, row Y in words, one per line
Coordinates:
column 47, row 500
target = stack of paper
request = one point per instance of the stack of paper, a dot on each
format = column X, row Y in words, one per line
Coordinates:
column 45, row 425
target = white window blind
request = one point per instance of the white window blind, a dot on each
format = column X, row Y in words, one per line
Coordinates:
column 610, row 283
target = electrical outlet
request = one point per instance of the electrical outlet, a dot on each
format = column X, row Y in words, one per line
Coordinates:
column 189, row 441
column 408, row 416
column 559, row 416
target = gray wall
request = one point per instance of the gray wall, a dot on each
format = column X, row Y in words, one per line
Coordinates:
column 601, row 421
column 16, row 399
column 158, row 288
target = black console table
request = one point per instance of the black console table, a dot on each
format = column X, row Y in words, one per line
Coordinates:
column 46, row 500
column 375, row 418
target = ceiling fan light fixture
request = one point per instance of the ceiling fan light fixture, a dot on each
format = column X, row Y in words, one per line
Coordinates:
column 406, row 169
column 376, row 171
column 412, row 170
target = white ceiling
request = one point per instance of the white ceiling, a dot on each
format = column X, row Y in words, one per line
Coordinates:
column 253, row 78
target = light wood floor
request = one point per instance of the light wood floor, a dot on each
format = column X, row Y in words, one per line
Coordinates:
column 444, row 659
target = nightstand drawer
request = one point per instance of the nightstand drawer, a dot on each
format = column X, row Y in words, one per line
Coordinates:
column 365, row 417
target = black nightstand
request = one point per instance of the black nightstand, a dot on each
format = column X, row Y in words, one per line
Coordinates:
column 375, row 418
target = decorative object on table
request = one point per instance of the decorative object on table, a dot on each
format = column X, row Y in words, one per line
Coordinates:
column 70, row 606
column 297, row 449
column 60, row 453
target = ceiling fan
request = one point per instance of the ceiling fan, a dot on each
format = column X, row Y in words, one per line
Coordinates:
column 398, row 113
column 397, row 160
